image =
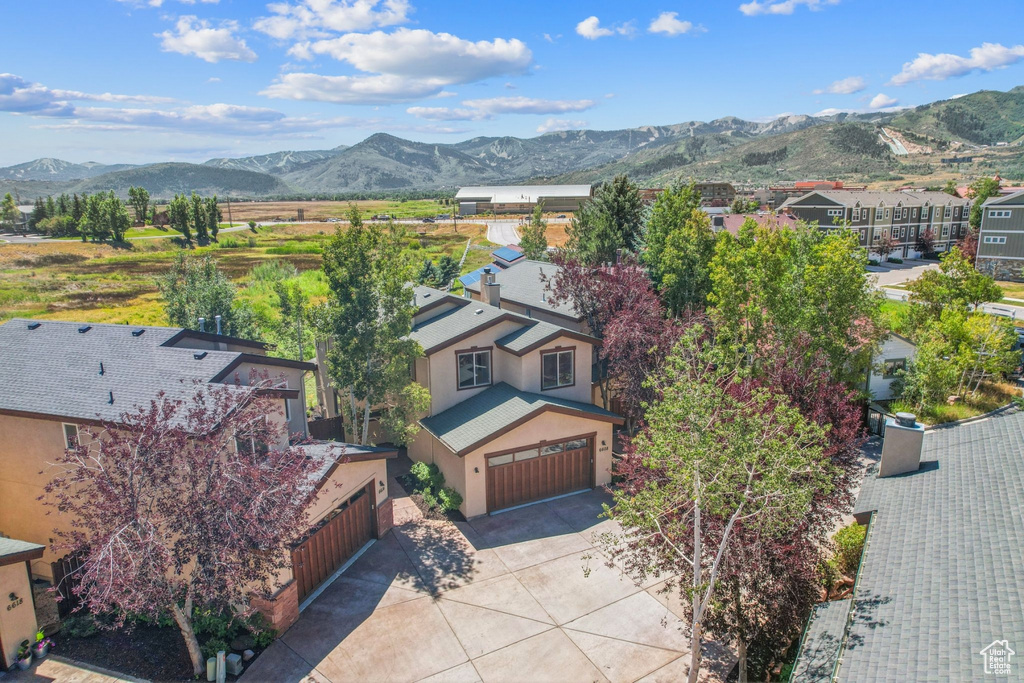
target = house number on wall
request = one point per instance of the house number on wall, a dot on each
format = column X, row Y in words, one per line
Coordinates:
column 14, row 604
column 602, row 449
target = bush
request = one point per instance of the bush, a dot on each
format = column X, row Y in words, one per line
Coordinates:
column 895, row 259
column 252, row 225
column 420, row 472
column 872, row 262
column 229, row 243
column 81, row 625
column 252, row 242
column 260, row 630
column 849, row 546
column 214, row 623
column 414, row 244
column 428, row 499
column 211, row 647
column 449, row 499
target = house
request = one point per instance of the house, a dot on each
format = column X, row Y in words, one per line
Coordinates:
column 521, row 198
column 896, row 353
column 904, row 216
column 732, row 222
column 1001, row 240
column 510, row 419
column 524, row 290
column 776, row 195
column 712, row 193
column 57, row 377
column 940, row 574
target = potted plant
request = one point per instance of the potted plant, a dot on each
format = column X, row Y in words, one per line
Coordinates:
column 24, row 656
column 42, row 646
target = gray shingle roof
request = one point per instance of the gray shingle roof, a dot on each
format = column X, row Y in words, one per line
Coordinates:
column 874, row 198
column 820, row 649
column 523, row 339
column 54, row 369
column 12, row 546
column 522, row 283
column 941, row 575
column 474, row 421
column 452, row 324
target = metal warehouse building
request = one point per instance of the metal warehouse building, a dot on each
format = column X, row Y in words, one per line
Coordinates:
column 521, row 198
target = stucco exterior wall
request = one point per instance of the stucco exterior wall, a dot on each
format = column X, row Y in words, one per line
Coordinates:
column 443, row 366
column 893, row 348
column 531, row 369
column 18, row 617
column 293, row 380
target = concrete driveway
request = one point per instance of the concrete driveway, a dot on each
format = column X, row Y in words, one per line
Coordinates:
column 521, row 596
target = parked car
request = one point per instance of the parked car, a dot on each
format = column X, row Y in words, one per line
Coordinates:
column 428, row 219
column 561, row 215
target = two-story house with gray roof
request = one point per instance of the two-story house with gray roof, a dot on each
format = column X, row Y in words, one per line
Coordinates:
column 1001, row 240
column 58, row 377
column 511, row 420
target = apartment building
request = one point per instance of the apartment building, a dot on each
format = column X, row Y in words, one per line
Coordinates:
column 1001, row 242
column 872, row 214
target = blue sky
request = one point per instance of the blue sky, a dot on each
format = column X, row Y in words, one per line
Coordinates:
column 150, row 80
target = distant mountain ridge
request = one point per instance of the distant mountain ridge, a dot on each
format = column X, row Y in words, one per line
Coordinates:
column 840, row 145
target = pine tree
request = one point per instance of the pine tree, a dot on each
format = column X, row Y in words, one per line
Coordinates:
column 533, row 238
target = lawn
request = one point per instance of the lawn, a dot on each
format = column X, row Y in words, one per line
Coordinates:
column 992, row 395
column 72, row 280
column 1011, row 290
column 243, row 212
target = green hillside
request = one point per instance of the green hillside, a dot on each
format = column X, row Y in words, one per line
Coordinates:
column 983, row 118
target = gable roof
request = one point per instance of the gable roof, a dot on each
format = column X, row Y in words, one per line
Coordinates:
column 1017, row 198
column 869, row 198
column 940, row 574
column 507, row 254
column 538, row 334
column 52, row 369
column 12, row 550
column 479, row 420
column 523, row 283
column 452, row 326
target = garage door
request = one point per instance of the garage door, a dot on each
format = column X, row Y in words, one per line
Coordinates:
column 539, row 471
column 343, row 532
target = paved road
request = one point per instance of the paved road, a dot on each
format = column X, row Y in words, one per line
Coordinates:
column 900, row 273
column 502, row 232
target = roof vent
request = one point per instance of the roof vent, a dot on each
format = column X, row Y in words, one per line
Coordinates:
column 139, row 332
column 34, row 326
column 200, row 355
column 111, row 398
column 478, row 311
column 101, row 368
column 426, row 295
column 84, row 328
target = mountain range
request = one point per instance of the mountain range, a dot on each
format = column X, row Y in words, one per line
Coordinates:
column 847, row 146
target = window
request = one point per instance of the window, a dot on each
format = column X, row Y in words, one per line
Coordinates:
column 878, row 214
column 70, row 436
column 287, row 410
column 948, row 212
column 993, row 213
column 556, row 369
column 474, row 369
column 903, row 233
column 966, row 210
column 245, row 438
column 924, row 212
column 835, row 212
column 989, row 239
column 911, row 231
column 913, row 213
column 877, row 235
column 891, row 366
column 856, row 214
column 945, row 231
column 895, row 232
column 887, row 213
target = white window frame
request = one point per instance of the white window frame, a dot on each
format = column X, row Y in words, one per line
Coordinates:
column 924, row 212
column 835, row 212
column 856, row 214
column 474, row 353
column 994, row 239
column 999, row 213
column 945, row 230
column 948, row 212
column 903, row 233
column 878, row 213
column 67, row 437
column 913, row 213
column 887, row 213
column 912, row 231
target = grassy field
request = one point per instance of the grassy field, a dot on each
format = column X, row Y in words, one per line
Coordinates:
column 991, row 396
column 77, row 281
column 243, row 212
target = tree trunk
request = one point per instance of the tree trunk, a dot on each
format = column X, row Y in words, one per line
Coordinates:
column 184, row 623
column 695, row 638
column 366, row 422
column 741, row 651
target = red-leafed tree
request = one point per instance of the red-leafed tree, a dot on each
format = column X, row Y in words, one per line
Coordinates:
column 618, row 304
column 183, row 503
column 969, row 245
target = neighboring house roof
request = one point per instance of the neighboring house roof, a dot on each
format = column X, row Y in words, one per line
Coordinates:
column 520, row 194
column 51, row 368
column 474, row 277
column 1015, row 198
column 334, row 454
column 822, row 642
column 523, row 283
column 474, row 422
column 869, row 198
column 940, row 575
column 12, row 550
column 733, row 221
column 427, row 298
column 508, row 254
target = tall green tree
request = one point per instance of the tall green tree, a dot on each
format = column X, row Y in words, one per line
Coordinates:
column 685, row 266
column 980, row 190
column 671, row 210
column 613, row 220
column 180, row 216
column 533, row 236
column 194, row 287
column 200, row 221
column 138, row 197
column 118, row 220
column 369, row 319
column 51, row 207
column 213, row 217
column 296, row 335
column 94, row 224
column 955, row 285
column 9, row 214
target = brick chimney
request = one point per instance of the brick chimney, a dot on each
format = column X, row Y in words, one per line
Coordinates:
column 901, row 448
column 490, row 291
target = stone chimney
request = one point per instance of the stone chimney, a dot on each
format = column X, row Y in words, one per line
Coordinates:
column 901, row 448
column 490, row 291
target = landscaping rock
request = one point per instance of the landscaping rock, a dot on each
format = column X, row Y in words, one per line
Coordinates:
column 243, row 642
column 247, row 655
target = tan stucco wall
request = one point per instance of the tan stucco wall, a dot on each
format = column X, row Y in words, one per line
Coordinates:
column 293, row 378
column 531, row 371
column 17, row 620
column 468, row 474
column 444, row 391
column 26, row 447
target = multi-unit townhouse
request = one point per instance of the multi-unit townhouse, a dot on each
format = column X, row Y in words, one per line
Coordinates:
column 1001, row 241
column 511, row 419
column 903, row 215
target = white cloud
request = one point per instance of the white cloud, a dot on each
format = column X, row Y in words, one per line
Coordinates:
column 881, row 101
column 197, row 38
column 110, row 97
column 987, row 57
column 669, row 24
column 213, row 79
column 159, row 3
column 380, row 89
column 528, row 105
column 447, row 114
column 552, row 125
column 550, row 38
column 756, row 7
column 845, row 86
column 316, row 18
column 591, row 29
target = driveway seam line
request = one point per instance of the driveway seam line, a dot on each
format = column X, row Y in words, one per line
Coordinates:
column 498, row 611
column 623, row 640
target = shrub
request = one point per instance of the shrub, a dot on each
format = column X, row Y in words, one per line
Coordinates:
column 81, row 625
column 229, row 243
column 849, row 545
column 260, row 630
column 428, row 499
column 450, row 499
column 214, row 623
column 420, row 472
column 252, row 225
column 211, row 647
column 895, row 259
column 414, row 243
column 872, row 262
column 252, row 242
column 273, row 271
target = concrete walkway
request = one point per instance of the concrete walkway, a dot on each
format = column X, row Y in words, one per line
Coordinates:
column 55, row 668
column 521, row 596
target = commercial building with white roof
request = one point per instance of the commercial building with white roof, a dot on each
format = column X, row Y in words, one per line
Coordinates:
column 521, row 198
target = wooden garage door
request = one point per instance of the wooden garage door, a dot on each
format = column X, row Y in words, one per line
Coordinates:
column 346, row 529
column 539, row 471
